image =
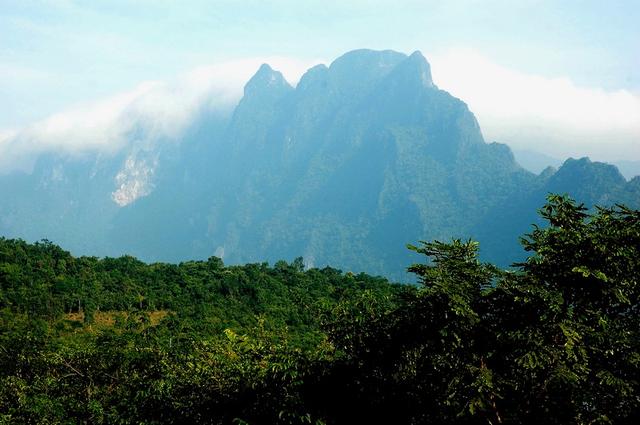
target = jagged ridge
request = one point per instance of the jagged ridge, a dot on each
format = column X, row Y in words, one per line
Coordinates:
column 360, row 158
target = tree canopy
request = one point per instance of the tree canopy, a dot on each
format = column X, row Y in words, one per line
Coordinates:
column 555, row 339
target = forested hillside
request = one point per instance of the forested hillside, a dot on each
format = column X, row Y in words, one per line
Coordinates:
column 115, row 340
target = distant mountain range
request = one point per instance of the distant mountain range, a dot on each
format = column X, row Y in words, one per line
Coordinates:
column 359, row 159
column 536, row 162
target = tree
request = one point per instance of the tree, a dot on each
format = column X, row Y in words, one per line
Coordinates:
column 556, row 340
column 583, row 279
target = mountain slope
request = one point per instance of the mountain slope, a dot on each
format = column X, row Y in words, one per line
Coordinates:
column 359, row 159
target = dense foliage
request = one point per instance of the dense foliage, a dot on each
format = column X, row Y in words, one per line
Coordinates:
column 554, row 340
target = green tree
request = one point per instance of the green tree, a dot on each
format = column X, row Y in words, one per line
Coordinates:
column 578, row 340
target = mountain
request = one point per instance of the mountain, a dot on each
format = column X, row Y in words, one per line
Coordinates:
column 359, row 159
column 537, row 162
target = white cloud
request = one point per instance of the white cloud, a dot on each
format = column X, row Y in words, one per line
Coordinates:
column 5, row 135
column 550, row 115
column 158, row 110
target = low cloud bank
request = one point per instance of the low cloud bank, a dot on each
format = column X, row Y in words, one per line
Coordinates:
column 548, row 115
column 150, row 112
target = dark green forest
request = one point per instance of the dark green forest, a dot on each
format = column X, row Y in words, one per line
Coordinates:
column 554, row 339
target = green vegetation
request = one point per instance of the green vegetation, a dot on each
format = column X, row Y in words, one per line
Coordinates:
column 556, row 340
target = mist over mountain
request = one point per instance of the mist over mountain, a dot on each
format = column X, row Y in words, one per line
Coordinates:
column 359, row 159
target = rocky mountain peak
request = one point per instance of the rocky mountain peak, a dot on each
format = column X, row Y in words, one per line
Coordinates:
column 418, row 63
column 266, row 81
column 361, row 69
column 314, row 76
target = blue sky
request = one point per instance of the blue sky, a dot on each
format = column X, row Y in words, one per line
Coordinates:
column 58, row 54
